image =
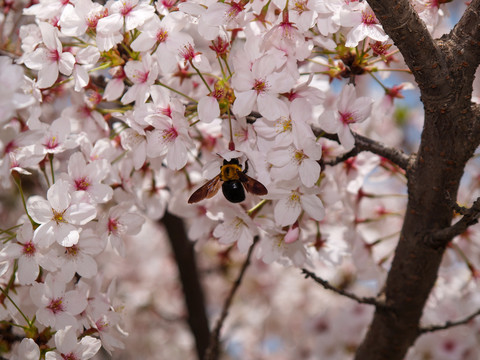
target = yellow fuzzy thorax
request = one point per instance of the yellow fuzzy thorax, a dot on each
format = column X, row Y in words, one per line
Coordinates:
column 230, row 172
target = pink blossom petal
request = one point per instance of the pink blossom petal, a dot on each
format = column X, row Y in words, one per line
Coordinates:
column 271, row 107
column 66, row 340
column 47, row 75
column 313, row 206
column 88, row 347
column 86, row 266
column 45, row 235
column 27, row 270
column 39, row 209
column 81, row 213
column 58, row 195
column 244, row 102
column 309, row 171
column 65, row 65
column 66, row 235
column 74, row 302
column 346, row 138
column 48, row 36
column 208, row 109
column 110, row 24
column 286, row 211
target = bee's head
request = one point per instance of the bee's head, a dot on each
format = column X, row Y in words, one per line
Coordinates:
column 233, row 161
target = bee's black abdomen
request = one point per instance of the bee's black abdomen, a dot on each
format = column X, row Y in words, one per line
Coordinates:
column 233, row 191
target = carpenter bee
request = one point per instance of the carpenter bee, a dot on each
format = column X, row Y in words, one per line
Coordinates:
column 233, row 181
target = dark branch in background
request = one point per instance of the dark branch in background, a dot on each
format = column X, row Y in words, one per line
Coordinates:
column 442, row 237
column 449, row 324
column 363, row 143
column 194, row 299
column 213, row 351
column 362, row 300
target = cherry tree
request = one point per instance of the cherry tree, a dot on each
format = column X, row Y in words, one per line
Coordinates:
column 249, row 169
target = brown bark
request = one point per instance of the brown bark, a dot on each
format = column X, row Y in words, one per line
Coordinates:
column 444, row 71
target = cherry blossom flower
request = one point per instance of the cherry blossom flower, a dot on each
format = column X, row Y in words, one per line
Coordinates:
column 285, row 130
column 189, row 55
column 102, row 316
column 286, row 37
column 117, row 223
column 136, row 143
column 364, row 24
column 292, row 200
column 115, row 85
column 128, row 14
column 291, row 162
column 78, row 18
column 30, row 257
column 167, row 35
column 260, row 87
column 12, row 97
column 50, row 58
column 56, row 307
column 278, row 246
column 131, row 13
column 236, row 227
column 302, row 14
column 46, row 9
column 68, row 347
column 350, row 110
column 79, row 258
column 27, row 350
column 143, row 74
column 218, row 15
column 59, row 215
column 85, row 59
column 56, row 137
column 170, row 139
column 87, row 177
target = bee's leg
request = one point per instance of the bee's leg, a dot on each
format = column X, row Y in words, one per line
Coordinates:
column 246, row 167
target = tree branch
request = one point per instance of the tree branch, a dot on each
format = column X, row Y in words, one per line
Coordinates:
column 465, row 36
column 212, row 351
column 361, row 300
column 449, row 324
column 194, row 299
column 396, row 156
column 363, row 143
column 339, row 159
column 442, row 237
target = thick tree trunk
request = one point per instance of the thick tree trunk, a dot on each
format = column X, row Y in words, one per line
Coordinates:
column 444, row 71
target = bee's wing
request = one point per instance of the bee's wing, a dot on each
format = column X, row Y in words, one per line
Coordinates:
column 206, row 191
column 251, row 185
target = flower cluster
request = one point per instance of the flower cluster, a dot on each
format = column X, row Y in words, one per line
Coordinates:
column 118, row 112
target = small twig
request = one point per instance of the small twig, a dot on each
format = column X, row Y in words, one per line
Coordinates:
column 212, row 350
column 459, row 209
column 342, row 158
column 442, row 237
column 328, row 286
column 363, row 143
column 449, row 324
